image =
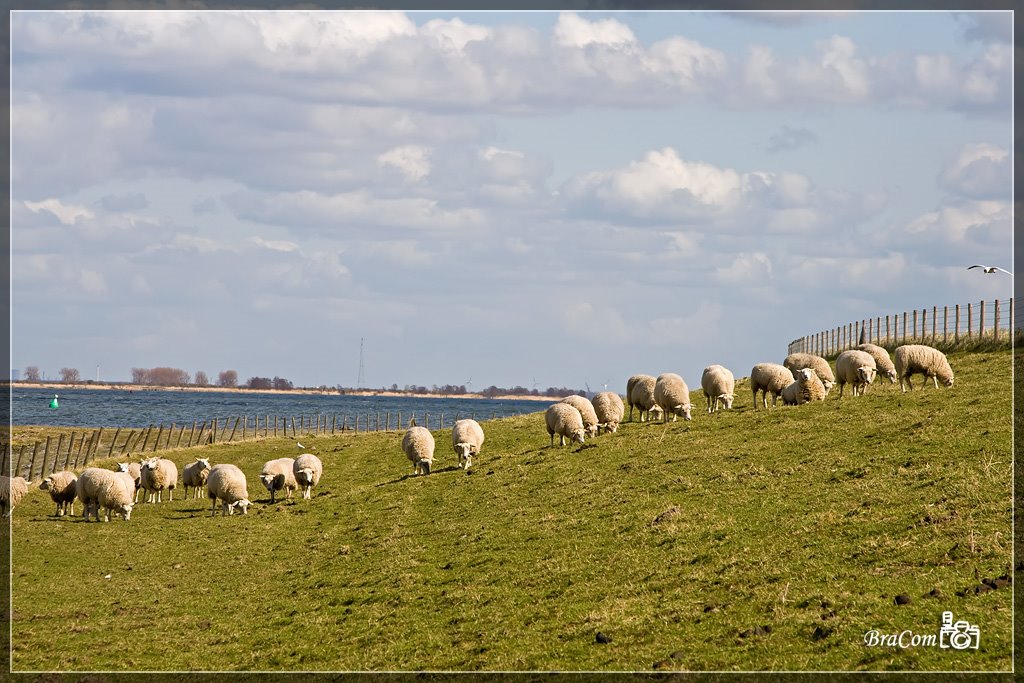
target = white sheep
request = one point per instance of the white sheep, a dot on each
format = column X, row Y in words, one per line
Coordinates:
column 12, row 489
column 227, row 483
column 857, row 368
column 418, row 446
column 134, row 469
column 194, row 475
column 630, row 384
column 799, row 361
column 883, row 363
column 564, row 420
column 672, row 396
column 769, row 378
column 806, row 388
column 467, row 438
column 63, row 492
column 278, row 475
column 610, row 409
column 718, row 384
column 99, row 488
column 159, row 474
column 307, row 470
column 642, row 396
column 913, row 359
column 587, row 412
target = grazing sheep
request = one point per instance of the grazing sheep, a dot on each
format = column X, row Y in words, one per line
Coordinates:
column 806, row 388
column 799, row 361
column 642, row 396
column 307, row 470
column 857, row 368
column 194, row 475
column 134, row 469
column 279, row 475
column 769, row 378
column 227, row 483
column 467, row 438
column 718, row 384
column 159, row 474
column 882, row 361
column 914, row 359
column 672, row 396
column 418, row 445
column 630, row 384
column 99, row 488
column 63, row 492
column 587, row 412
column 564, row 420
column 11, row 492
column 609, row 408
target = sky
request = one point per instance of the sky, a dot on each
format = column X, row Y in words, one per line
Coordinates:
column 510, row 198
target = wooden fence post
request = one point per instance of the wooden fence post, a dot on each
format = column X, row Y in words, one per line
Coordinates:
column 46, row 454
column 1010, row 318
column 935, row 318
column 904, row 327
column 981, row 320
column 113, row 441
column 293, row 427
column 233, row 429
column 945, row 323
column 970, row 321
column 995, row 321
column 956, row 323
column 32, row 465
column 915, row 324
column 21, row 455
column 159, row 434
column 275, row 424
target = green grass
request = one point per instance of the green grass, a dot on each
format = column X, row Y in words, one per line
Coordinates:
column 808, row 520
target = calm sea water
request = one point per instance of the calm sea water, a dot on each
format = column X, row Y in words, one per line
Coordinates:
column 113, row 408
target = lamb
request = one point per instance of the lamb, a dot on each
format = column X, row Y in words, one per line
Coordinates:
column 418, row 445
column 307, row 470
column 642, row 396
column 134, row 469
column 467, row 438
column 609, row 408
column 63, row 492
column 882, row 361
column 914, row 359
column 194, row 475
column 159, row 474
column 857, row 368
column 227, row 483
column 564, row 420
column 11, row 491
column 807, row 387
column 799, row 361
column 769, row 378
column 672, row 396
column 113, row 491
column 630, row 384
column 279, row 475
column 718, row 384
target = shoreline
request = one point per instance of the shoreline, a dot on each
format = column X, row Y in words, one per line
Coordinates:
column 120, row 386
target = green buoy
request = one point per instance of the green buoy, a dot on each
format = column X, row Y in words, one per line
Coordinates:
column 53, row 402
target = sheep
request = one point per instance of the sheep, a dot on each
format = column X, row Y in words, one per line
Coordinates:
column 564, row 420
column 806, row 388
column 11, row 491
column 857, row 368
column 718, row 384
column 799, row 361
column 61, row 486
column 227, row 482
column 159, row 474
column 672, row 396
column 587, row 412
column 882, row 361
column 467, row 438
column 194, row 475
column 609, row 408
column 279, row 475
column 914, row 359
column 418, row 445
column 307, row 470
column 642, row 396
column 135, row 470
column 630, row 384
column 769, row 378
column 113, row 491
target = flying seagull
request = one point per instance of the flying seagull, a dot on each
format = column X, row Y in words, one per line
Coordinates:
column 990, row 269
column 299, row 444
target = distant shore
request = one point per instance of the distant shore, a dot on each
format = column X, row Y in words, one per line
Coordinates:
column 58, row 386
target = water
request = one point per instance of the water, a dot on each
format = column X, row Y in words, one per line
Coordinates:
column 136, row 409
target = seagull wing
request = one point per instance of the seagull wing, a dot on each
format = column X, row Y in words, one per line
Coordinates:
column 1003, row 270
column 976, row 266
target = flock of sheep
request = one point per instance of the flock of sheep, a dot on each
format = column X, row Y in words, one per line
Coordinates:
column 801, row 378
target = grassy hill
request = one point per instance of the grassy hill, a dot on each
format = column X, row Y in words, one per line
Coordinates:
column 745, row 540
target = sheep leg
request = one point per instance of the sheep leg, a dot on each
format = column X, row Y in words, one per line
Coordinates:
column 213, row 507
column 561, row 439
column 935, row 379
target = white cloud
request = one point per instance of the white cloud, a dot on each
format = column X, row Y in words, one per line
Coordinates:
column 980, row 171
column 455, row 34
column 68, row 214
column 972, row 222
column 275, row 245
column 573, row 30
column 413, row 161
column 92, row 282
column 752, row 269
